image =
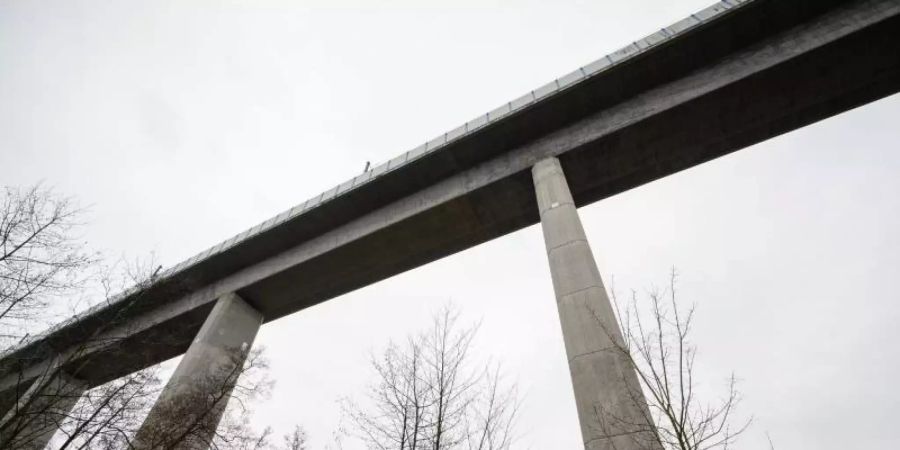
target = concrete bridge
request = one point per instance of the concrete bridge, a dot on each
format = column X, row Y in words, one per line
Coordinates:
column 727, row 77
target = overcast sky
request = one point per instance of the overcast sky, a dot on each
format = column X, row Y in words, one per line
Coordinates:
column 182, row 123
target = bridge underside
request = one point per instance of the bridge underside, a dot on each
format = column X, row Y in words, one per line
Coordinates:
column 772, row 67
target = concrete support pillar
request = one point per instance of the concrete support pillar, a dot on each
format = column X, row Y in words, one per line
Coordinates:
column 191, row 405
column 611, row 406
column 31, row 422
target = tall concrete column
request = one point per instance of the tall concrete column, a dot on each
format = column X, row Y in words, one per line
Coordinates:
column 611, row 406
column 191, row 405
column 36, row 416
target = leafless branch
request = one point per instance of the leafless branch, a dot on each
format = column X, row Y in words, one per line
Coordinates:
column 657, row 342
column 428, row 394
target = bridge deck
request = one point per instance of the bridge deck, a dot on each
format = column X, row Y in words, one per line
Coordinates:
column 730, row 76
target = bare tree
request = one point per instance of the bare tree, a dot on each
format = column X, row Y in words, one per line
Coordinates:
column 41, row 258
column 42, row 261
column 296, row 440
column 105, row 417
column 196, row 416
column 56, row 400
column 657, row 342
column 429, row 394
column 109, row 417
column 491, row 418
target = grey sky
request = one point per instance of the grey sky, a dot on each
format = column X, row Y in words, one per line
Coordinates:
column 182, row 123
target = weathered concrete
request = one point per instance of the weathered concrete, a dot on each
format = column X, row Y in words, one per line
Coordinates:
column 732, row 75
column 191, row 405
column 38, row 413
column 611, row 406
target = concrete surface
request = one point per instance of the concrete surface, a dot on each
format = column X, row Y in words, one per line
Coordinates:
column 209, row 369
column 728, row 77
column 612, row 410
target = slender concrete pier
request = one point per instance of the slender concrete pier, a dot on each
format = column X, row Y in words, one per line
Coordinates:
column 38, row 413
column 611, row 406
column 191, row 405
